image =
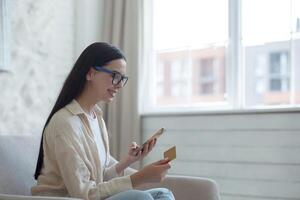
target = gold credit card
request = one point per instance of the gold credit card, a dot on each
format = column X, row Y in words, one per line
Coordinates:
column 170, row 153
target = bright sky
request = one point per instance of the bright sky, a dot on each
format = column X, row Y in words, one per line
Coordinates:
column 182, row 23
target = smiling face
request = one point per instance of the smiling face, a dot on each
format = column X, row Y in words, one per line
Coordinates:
column 100, row 83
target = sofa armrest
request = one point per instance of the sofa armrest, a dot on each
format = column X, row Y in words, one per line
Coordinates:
column 183, row 187
column 186, row 187
column 22, row 197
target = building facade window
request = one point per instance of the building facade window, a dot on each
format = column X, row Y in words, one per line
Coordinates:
column 206, row 77
column 279, row 72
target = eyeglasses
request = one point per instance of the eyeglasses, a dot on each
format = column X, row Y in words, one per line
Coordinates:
column 118, row 78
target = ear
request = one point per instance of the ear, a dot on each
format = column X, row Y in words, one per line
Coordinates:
column 90, row 75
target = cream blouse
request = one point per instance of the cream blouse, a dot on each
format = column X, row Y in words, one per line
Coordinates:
column 71, row 159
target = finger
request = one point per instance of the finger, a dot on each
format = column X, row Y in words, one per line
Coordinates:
column 139, row 154
column 133, row 145
column 164, row 168
column 137, row 151
column 145, row 149
column 142, row 146
column 134, row 149
column 167, row 166
column 155, row 141
column 151, row 144
column 161, row 162
column 133, row 152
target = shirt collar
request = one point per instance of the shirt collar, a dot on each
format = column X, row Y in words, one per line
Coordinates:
column 76, row 109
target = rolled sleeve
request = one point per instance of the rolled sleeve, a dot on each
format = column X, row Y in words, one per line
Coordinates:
column 111, row 172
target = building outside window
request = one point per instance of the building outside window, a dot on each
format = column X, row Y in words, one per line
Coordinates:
column 207, row 76
column 279, row 72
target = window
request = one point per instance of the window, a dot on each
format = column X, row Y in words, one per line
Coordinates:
column 224, row 54
column 279, row 72
column 269, row 54
column 206, row 76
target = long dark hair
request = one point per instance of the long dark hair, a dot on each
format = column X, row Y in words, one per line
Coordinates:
column 96, row 54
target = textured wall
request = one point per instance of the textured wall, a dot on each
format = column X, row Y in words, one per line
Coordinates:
column 42, row 53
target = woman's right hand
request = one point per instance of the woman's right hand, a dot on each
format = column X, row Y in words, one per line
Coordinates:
column 152, row 173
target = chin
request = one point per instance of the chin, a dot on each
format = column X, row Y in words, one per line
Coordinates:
column 108, row 100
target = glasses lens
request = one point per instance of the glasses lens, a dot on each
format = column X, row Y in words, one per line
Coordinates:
column 117, row 78
column 124, row 81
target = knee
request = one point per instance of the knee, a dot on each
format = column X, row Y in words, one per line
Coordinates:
column 168, row 192
column 161, row 193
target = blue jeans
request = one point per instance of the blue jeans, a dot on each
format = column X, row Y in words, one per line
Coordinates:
column 152, row 194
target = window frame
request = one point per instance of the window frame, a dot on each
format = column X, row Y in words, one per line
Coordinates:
column 4, row 35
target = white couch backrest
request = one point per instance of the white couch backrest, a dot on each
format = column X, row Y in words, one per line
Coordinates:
column 18, row 156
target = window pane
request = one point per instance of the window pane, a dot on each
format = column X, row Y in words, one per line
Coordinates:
column 190, row 47
column 267, row 51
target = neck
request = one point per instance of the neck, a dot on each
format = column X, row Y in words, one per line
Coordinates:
column 86, row 102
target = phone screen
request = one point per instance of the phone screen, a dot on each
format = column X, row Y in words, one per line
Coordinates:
column 158, row 133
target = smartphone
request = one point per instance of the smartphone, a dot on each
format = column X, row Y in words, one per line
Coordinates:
column 158, row 133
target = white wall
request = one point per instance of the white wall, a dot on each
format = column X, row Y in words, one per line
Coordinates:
column 252, row 156
column 42, row 53
column 89, row 20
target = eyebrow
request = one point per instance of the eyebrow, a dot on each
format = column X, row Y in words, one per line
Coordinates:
column 118, row 72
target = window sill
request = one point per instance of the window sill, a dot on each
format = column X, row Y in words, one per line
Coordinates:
column 222, row 111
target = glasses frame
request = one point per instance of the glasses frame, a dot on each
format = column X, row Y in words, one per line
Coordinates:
column 123, row 79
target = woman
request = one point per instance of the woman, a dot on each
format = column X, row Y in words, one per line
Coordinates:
column 74, row 158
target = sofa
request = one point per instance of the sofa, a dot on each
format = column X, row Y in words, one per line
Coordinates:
column 18, row 155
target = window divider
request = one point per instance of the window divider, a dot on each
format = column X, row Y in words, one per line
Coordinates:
column 292, row 59
column 234, row 72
